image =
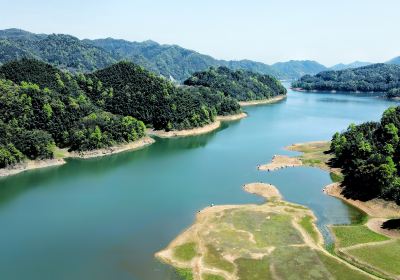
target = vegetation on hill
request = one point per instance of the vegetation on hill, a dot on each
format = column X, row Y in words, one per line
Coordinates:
column 41, row 107
column 170, row 61
column 395, row 60
column 154, row 100
column 368, row 155
column 63, row 51
column 241, row 85
column 383, row 78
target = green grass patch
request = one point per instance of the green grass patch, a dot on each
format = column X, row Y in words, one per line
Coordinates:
column 341, row 271
column 267, row 228
column 298, row 263
column 252, row 269
column 336, row 178
column 384, row 257
column 185, row 273
column 207, row 276
column 353, row 235
column 307, row 224
column 185, row 252
column 214, row 258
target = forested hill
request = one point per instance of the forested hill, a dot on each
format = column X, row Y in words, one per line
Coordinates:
column 62, row 51
column 241, row 85
column 42, row 107
column 368, row 155
column 171, row 61
column 382, row 78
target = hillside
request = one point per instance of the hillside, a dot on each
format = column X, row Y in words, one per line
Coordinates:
column 368, row 155
column 170, row 61
column 241, row 85
column 63, row 51
column 382, row 78
column 395, row 60
column 354, row 64
column 42, row 108
column 294, row 69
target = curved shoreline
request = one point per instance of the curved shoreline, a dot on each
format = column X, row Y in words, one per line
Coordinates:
column 375, row 208
column 229, row 118
column 187, row 132
column 263, row 101
column 36, row 164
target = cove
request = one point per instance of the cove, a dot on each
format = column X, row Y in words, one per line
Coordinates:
column 105, row 218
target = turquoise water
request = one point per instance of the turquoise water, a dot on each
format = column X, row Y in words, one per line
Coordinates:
column 105, row 218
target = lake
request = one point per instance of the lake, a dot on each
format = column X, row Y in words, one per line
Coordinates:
column 105, row 218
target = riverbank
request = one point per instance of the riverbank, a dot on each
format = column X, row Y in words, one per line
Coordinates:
column 263, row 101
column 376, row 208
column 141, row 143
column 63, row 154
column 231, row 117
column 30, row 165
column 235, row 241
column 187, row 132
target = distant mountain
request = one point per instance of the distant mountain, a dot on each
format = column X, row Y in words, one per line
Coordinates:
column 395, row 60
column 354, row 64
column 62, row 51
column 173, row 61
column 294, row 69
column 384, row 78
column 170, row 61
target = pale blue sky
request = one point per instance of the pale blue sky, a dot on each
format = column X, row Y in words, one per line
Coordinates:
column 267, row 31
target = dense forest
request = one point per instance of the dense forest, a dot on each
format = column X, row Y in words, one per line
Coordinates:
column 170, row 61
column 42, row 107
column 241, row 85
column 368, row 155
column 383, row 78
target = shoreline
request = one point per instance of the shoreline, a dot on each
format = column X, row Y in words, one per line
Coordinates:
column 229, row 118
column 263, row 101
column 187, row 132
column 36, row 164
column 31, row 165
column 374, row 208
column 136, row 145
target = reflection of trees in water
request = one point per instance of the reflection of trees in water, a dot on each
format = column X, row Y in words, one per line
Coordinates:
column 12, row 186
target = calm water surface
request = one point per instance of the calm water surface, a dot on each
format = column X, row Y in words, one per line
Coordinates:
column 105, row 218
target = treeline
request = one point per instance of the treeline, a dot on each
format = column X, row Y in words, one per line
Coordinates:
column 369, row 155
column 42, row 107
column 382, row 78
column 241, row 85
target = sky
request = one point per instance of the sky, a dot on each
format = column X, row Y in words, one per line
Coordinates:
column 268, row 31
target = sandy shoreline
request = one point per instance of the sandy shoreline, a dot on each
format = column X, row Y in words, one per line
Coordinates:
column 280, row 161
column 30, row 165
column 263, row 101
column 141, row 143
column 231, row 117
column 188, row 132
column 35, row 164
column 377, row 208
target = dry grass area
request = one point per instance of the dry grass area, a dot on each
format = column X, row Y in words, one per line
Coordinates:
column 274, row 240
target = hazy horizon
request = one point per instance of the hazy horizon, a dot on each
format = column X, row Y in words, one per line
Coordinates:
column 329, row 33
